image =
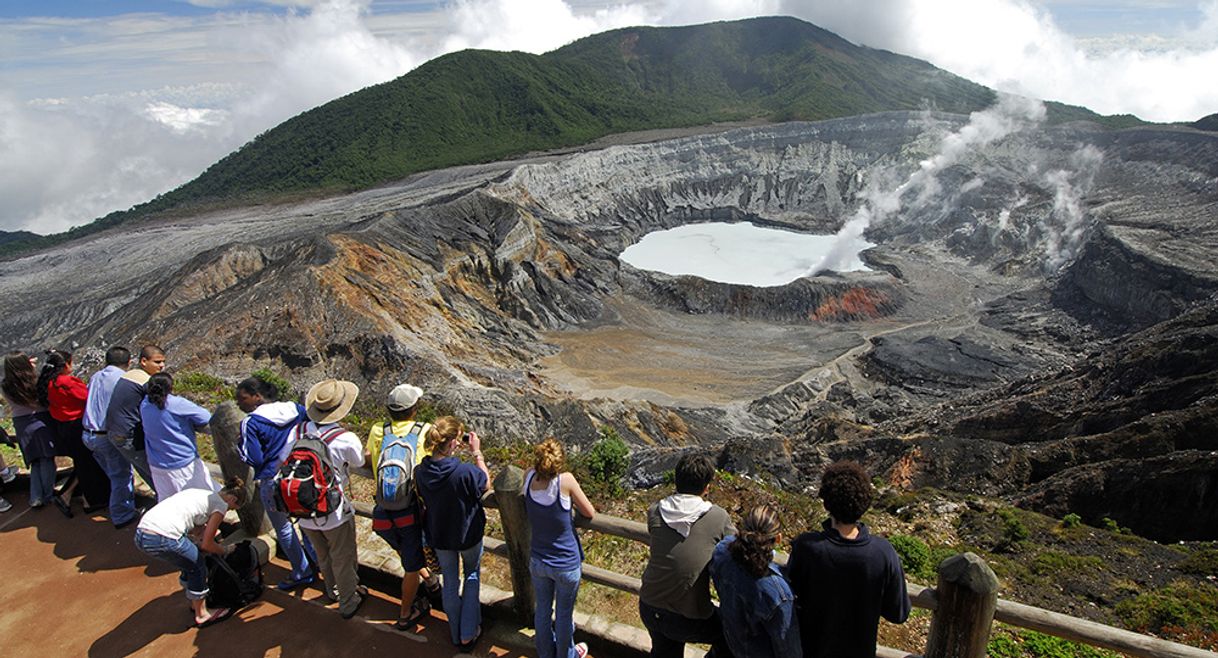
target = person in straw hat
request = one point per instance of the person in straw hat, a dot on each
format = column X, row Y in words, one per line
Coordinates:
column 333, row 535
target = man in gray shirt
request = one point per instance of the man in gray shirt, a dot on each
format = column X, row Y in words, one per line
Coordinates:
column 674, row 601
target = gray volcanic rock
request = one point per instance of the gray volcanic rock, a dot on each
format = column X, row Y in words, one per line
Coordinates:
column 945, row 365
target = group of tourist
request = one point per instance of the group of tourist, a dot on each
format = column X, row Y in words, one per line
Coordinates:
column 430, row 481
column 826, row 602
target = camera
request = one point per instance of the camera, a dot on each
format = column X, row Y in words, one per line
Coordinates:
column 465, row 437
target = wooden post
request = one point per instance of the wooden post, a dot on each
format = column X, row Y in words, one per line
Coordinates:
column 226, row 436
column 967, row 595
column 517, row 534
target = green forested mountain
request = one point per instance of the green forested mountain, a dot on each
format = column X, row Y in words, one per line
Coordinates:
column 478, row 106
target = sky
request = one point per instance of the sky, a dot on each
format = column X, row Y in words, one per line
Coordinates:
column 105, row 104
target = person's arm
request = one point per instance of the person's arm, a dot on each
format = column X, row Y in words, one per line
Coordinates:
column 208, row 542
column 579, row 501
column 895, row 604
column 250, row 447
column 77, row 388
column 199, row 417
column 783, row 629
column 475, row 449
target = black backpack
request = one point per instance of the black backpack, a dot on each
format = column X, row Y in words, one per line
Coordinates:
column 234, row 580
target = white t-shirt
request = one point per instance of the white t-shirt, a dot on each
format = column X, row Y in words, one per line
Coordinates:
column 182, row 512
column 346, row 452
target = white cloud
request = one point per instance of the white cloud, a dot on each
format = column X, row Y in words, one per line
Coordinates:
column 161, row 98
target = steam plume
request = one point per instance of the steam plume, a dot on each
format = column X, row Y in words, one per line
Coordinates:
column 1066, row 226
column 1010, row 114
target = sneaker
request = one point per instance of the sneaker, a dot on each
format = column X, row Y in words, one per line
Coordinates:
column 5, row 505
column 581, row 650
column 7, row 474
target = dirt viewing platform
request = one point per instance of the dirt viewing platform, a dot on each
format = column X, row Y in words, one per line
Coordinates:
column 78, row 587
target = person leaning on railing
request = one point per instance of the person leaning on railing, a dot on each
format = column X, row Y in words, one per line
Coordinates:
column 845, row 578
column 555, row 554
column 755, row 601
column 454, row 521
column 674, row 600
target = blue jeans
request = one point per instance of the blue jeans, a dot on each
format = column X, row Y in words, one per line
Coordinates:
column 298, row 549
column 137, row 458
column 555, row 590
column 181, row 553
column 42, row 480
column 461, row 604
column 118, row 470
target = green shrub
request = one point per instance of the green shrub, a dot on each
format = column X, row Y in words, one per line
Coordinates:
column 1181, row 603
column 1014, row 532
column 280, row 383
column 915, row 555
column 1071, row 520
column 1051, row 563
column 1039, row 645
column 604, row 464
column 1002, row 646
column 1203, row 563
column 201, row 388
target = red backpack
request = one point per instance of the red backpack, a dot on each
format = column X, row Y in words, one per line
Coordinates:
column 307, row 485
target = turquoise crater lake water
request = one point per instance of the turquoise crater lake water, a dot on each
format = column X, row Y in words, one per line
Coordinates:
column 739, row 253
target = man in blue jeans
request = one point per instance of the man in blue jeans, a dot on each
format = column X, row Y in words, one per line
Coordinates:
column 265, row 435
column 96, row 439
column 674, row 600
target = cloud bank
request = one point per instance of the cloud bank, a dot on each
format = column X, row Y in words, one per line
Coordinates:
column 186, row 91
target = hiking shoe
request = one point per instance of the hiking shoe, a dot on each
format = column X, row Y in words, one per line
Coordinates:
column 351, row 613
column 288, row 584
column 581, row 650
column 5, row 505
column 8, row 474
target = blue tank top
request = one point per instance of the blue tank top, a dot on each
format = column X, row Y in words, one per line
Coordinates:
column 555, row 543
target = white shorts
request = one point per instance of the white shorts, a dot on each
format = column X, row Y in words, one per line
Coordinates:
column 169, row 481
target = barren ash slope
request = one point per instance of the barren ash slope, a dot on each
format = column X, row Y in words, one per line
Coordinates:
column 1037, row 322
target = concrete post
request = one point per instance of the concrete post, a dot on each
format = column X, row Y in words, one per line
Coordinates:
column 517, row 535
column 226, row 436
column 967, row 595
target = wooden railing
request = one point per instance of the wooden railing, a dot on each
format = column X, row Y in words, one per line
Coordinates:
column 964, row 603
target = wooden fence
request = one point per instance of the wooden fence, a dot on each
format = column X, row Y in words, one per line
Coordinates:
column 964, row 603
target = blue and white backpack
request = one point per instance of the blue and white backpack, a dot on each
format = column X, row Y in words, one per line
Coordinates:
column 395, row 469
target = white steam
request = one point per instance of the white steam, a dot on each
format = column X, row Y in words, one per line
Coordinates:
column 1009, row 115
column 1066, row 226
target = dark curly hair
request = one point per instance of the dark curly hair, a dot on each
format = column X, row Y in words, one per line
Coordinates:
column 754, row 544
column 846, row 491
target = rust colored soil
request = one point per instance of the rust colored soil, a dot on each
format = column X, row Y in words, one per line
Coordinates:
column 78, row 587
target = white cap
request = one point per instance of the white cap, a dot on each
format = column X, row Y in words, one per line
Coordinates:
column 404, row 396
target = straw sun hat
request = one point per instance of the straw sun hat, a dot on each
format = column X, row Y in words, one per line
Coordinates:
column 330, row 400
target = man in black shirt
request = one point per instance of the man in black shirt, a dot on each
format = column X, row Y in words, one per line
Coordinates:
column 845, row 579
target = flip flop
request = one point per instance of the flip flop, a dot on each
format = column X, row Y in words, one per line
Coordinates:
column 216, row 617
column 417, row 613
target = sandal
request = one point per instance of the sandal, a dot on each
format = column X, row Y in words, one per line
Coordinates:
column 215, row 617
column 418, row 610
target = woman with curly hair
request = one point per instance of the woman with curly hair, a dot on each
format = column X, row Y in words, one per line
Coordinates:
column 555, row 555
column 32, row 425
column 453, row 521
column 181, row 528
column 755, row 601
column 64, row 395
column 170, row 423
column 845, row 578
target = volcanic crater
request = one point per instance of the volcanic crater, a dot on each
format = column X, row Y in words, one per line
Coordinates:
column 498, row 288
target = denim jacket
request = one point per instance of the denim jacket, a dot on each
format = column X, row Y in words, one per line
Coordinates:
column 758, row 613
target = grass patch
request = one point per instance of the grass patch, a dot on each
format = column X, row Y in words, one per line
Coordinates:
column 1180, row 605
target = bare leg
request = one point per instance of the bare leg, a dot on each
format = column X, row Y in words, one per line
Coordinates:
column 410, row 587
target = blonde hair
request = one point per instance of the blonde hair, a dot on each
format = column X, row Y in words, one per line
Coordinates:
column 548, row 458
column 443, row 430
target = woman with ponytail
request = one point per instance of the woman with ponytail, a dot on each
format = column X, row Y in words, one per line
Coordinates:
column 555, row 555
column 755, row 601
column 64, row 396
column 32, row 425
column 170, row 423
column 169, row 531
